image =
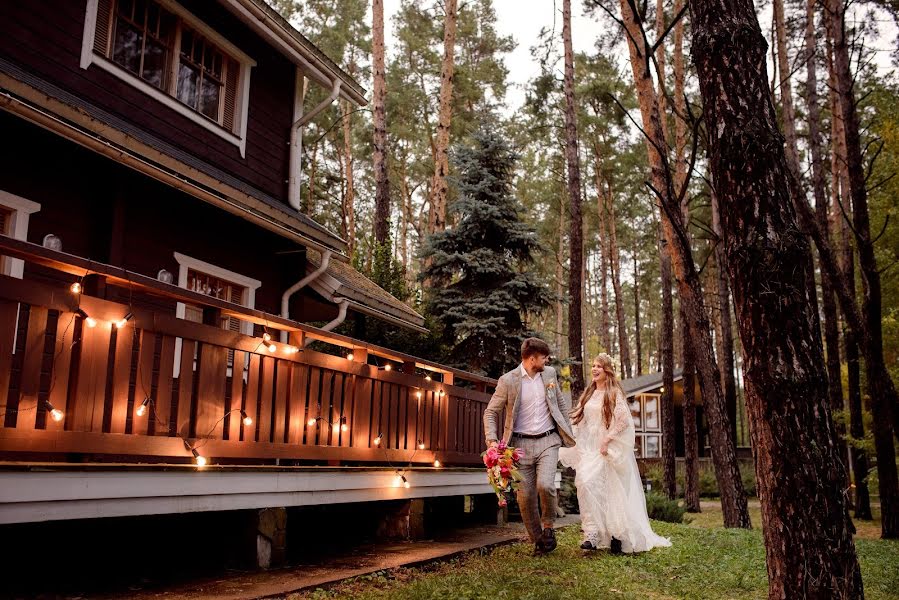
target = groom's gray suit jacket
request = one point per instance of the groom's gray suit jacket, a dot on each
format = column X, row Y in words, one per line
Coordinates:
column 507, row 394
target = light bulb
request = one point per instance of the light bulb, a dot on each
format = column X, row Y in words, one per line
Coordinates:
column 201, row 460
column 421, row 445
column 427, row 378
column 418, row 395
column 142, row 409
column 344, row 427
column 406, row 483
column 266, row 337
column 387, row 367
column 121, row 322
column 349, row 356
column 91, row 322
column 378, row 441
column 311, row 422
column 76, row 288
column 662, row 389
column 291, row 349
column 437, row 463
column 272, row 347
column 247, row 421
column 56, row 414
column 336, row 428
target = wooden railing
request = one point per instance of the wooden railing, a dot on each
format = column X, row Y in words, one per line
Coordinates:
column 202, row 382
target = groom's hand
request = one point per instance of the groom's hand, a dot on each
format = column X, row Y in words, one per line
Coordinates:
column 492, row 444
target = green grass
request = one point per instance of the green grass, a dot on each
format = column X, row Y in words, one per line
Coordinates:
column 705, row 561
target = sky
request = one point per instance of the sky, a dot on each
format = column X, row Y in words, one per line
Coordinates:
column 523, row 19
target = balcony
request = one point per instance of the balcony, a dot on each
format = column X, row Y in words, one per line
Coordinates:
column 90, row 384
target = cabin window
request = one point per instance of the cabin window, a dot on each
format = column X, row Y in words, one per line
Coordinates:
column 15, row 212
column 161, row 48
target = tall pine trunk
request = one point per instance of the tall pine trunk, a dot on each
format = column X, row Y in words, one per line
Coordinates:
column 809, row 546
column 624, row 351
column 819, row 188
column 576, row 236
column 379, row 119
column 560, row 274
column 439, row 188
column 349, row 202
column 691, row 428
column 604, row 320
column 666, row 343
column 730, row 484
column 881, row 389
column 726, row 339
column 639, row 348
column 839, row 197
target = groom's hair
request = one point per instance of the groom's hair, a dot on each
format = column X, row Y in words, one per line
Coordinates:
column 532, row 346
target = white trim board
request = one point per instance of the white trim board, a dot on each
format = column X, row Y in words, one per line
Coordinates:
column 33, row 496
column 22, row 209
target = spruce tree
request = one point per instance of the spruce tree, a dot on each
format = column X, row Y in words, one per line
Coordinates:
column 482, row 285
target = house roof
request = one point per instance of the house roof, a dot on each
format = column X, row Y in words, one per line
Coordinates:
column 341, row 280
column 643, row 383
column 79, row 120
column 293, row 44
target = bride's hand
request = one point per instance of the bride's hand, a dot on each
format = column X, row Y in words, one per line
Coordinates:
column 604, row 447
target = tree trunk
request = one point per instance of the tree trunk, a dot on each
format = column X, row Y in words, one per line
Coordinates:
column 786, row 90
column 560, row 274
column 726, row 339
column 379, row 119
column 733, row 496
column 831, row 332
column 349, row 202
column 576, row 236
column 604, row 261
column 881, row 389
column 666, row 343
column 839, row 194
column 809, row 546
column 691, row 431
column 639, row 348
column 441, row 162
column 624, row 351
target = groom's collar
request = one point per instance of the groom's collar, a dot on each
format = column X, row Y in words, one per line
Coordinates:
column 524, row 372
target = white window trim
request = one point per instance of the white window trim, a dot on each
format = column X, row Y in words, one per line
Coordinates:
column 186, row 263
column 22, row 209
column 89, row 57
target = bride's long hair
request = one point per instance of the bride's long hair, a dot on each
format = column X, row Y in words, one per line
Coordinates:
column 611, row 389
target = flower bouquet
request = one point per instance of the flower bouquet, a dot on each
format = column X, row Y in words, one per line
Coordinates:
column 502, row 469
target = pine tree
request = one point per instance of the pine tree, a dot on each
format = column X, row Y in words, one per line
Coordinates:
column 482, row 287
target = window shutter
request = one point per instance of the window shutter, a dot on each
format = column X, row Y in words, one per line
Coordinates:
column 104, row 20
column 232, row 78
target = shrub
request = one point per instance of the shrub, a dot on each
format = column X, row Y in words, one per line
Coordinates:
column 661, row 508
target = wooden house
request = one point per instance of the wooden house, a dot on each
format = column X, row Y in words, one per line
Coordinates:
column 158, row 280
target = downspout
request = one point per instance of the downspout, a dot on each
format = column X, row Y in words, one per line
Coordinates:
column 341, row 317
column 296, row 140
column 285, row 297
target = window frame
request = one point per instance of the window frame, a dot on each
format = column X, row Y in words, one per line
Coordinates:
column 236, row 136
column 186, row 263
column 20, row 210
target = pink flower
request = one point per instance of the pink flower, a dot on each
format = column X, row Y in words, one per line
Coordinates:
column 501, row 446
column 502, row 502
column 504, row 471
column 517, row 454
column 491, row 457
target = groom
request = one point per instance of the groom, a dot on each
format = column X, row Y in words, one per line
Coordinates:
column 537, row 422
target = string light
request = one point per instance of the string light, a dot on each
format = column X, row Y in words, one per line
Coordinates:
column 121, row 322
column 246, row 418
column 291, row 349
column 350, row 356
column 312, row 421
column 89, row 321
column 418, row 394
column 437, row 463
column 421, row 445
column 198, row 458
column 272, row 347
column 343, row 426
column 441, row 393
column 378, row 439
column 55, row 414
column 427, row 378
column 142, row 409
column 75, row 288
column 266, row 337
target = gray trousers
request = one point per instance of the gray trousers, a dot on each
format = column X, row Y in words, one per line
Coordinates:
column 538, row 471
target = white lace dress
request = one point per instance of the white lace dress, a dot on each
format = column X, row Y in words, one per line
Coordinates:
column 609, row 491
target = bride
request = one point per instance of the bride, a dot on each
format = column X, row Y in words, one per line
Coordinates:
column 613, row 508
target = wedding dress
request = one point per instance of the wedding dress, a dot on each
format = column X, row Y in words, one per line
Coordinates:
column 609, row 491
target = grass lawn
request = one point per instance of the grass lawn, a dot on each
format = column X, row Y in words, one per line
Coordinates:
column 705, row 561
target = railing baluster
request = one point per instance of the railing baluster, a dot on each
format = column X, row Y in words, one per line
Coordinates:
column 297, row 404
column 252, row 398
column 183, row 423
column 30, row 381
column 282, row 383
column 364, row 428
column 237, row 401
column 313, row 408
column 121, row 378
column 59, row 368
column 212, row 366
